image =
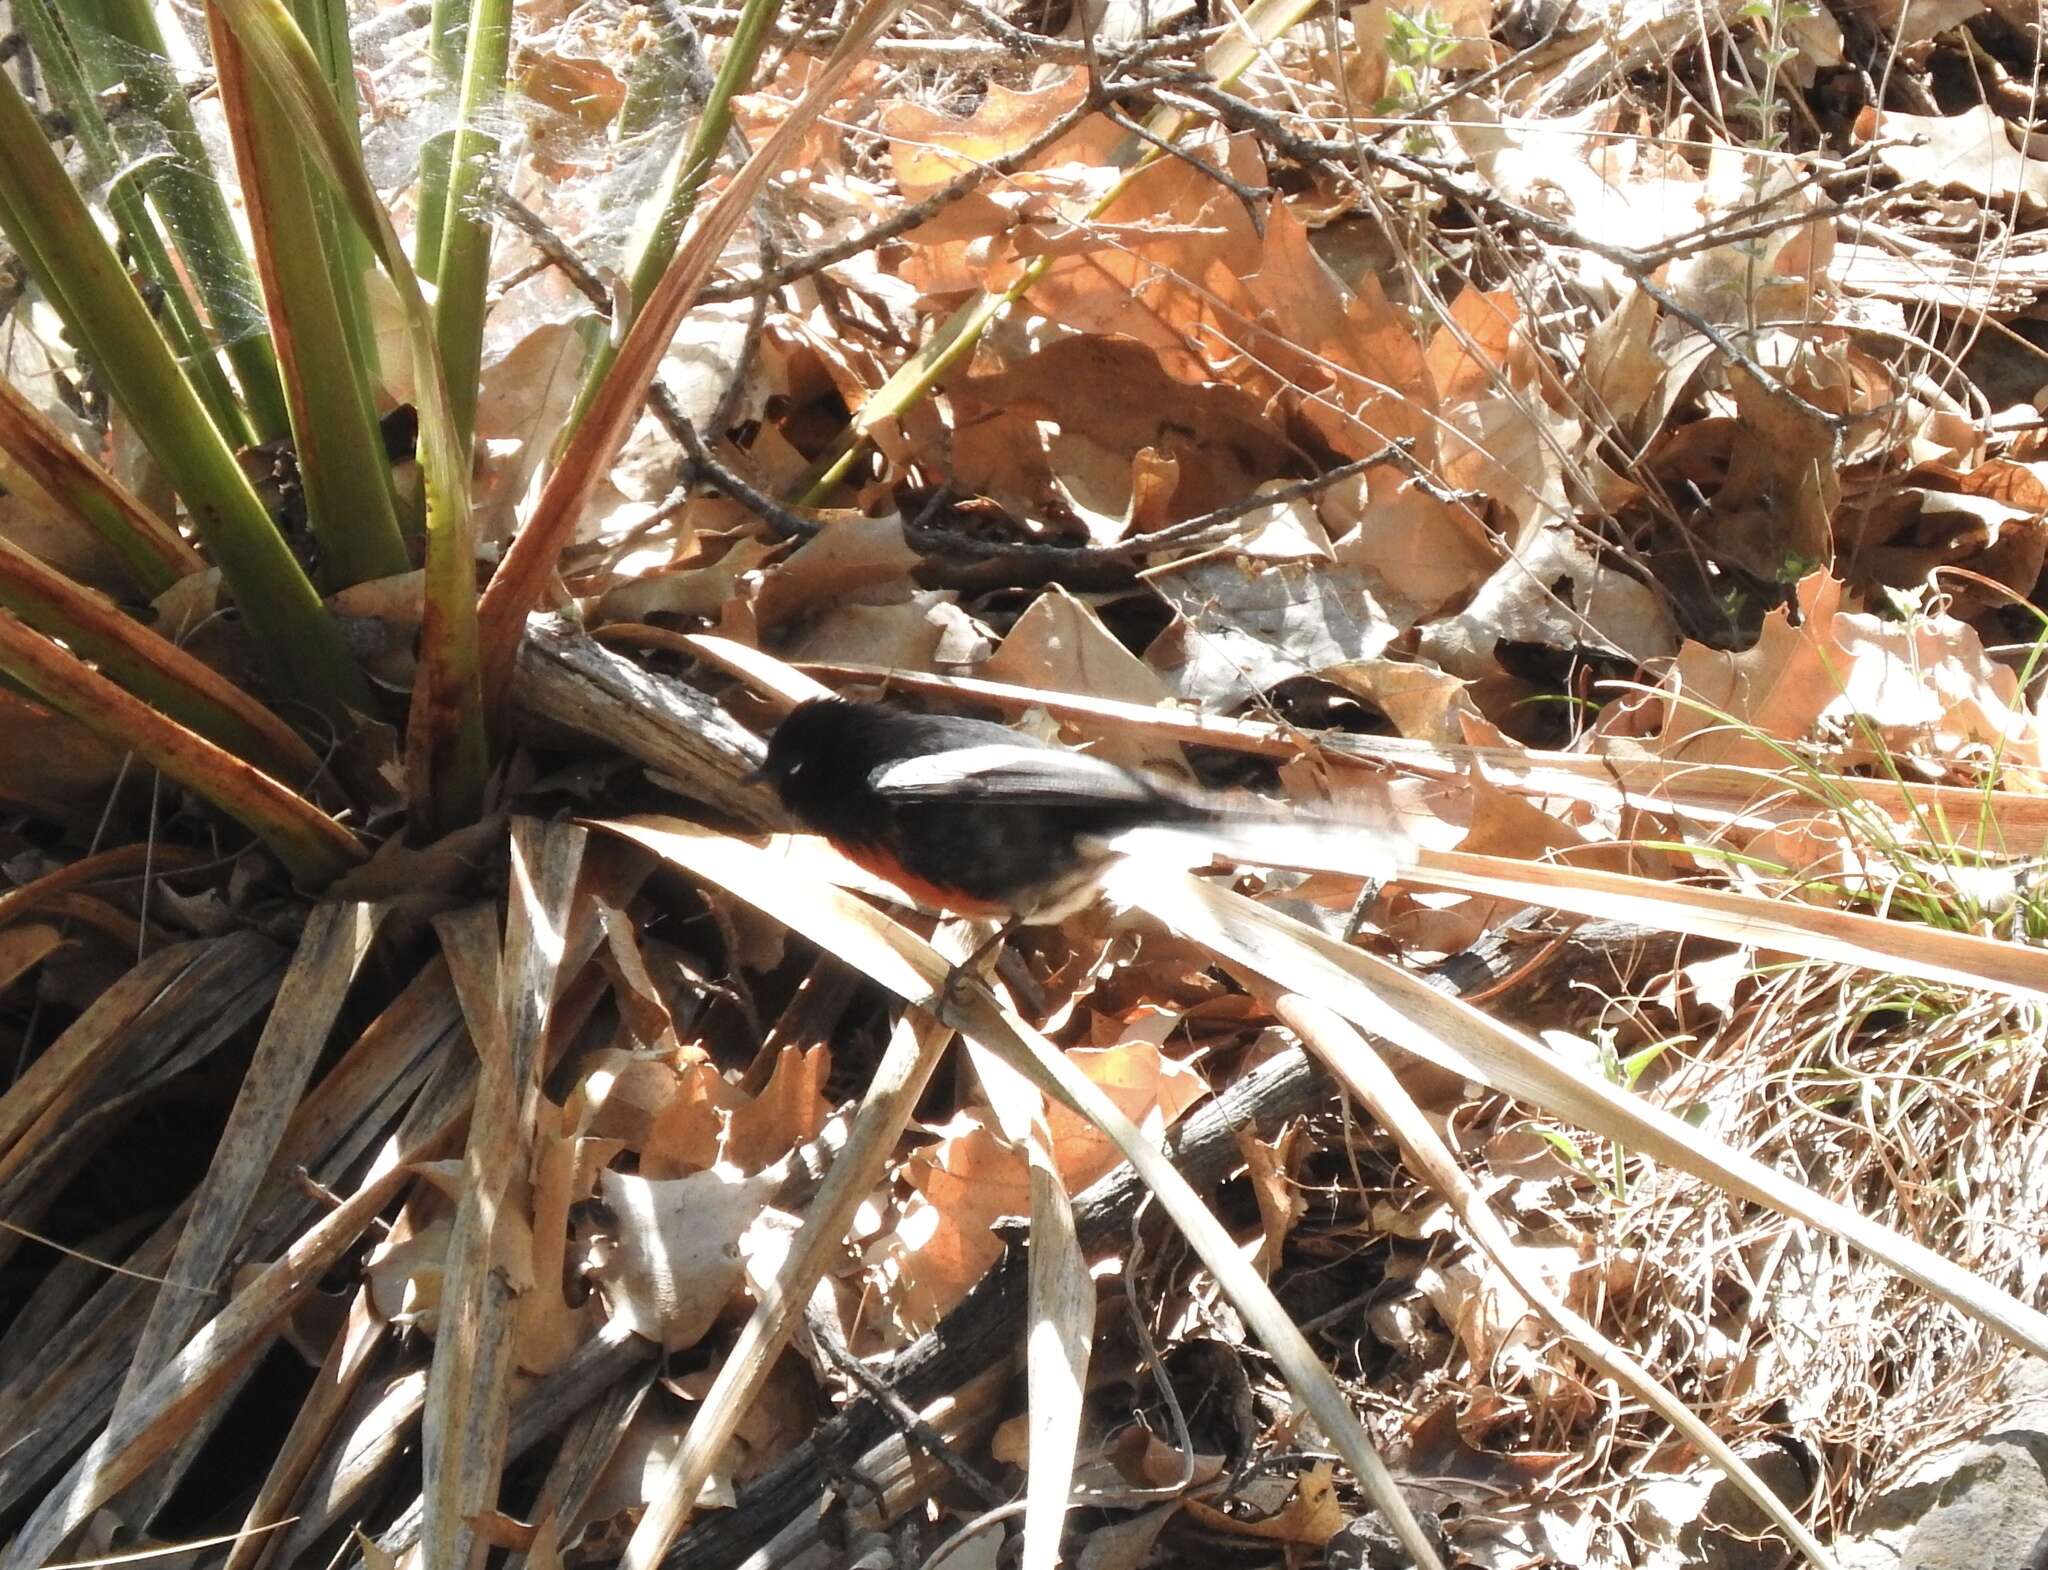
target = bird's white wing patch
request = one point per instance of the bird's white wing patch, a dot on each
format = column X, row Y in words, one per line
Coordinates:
column 1013, row 771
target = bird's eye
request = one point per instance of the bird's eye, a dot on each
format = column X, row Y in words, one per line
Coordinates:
column 796, row 767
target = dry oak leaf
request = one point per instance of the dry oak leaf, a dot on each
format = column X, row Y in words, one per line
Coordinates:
column 927, row 632
column 944, row 1240
column 1419, row 553
column 1992, row 519
column 678, row 1259
column 790, row 1109
column 1848, row 682
column 1114, row 395
column 851, row 557
column 928, row 148
column 1177, row 264
column 1971, row 152
column 1309, row 1519
column 1244, row 628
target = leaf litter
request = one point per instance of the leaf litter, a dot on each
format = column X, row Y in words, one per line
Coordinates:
column 1677, row 446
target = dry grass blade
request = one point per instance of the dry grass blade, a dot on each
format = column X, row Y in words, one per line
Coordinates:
column 581, row 1460
column 915, row 1047
column 1622, row 773
column 212, row 991
column 893, row 956
column 155, row 1421
column 1060, row 1312
column 119, row 862
column 1839, row 937
column 69, row 1066
column 157, row 555
column 216, row 988
column 151, row 666
column 312, row 845
column 1453, row 1034
column 462, row 1431
column 1351, row 1058
column 331, row 947
column 1062, row 1321
column 469, row 1390
column 348, row 1359
column 1049, row 1068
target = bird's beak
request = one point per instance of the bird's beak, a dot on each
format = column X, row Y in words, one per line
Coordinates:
column 758, row 776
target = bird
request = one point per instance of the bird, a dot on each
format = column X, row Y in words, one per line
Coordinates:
column 973, row 818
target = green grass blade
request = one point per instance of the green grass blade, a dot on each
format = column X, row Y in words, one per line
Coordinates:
column 347, row 479
column 47, row 221
column 446, row 26
column 446, row 755
column 670, row 209
column 466, row 224
column 350, row 259
column 126, row 168
column 188, row 196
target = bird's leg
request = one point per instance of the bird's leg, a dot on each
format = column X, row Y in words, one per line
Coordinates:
column 972, row 967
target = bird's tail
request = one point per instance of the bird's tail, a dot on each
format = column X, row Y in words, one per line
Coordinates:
column 1269, row 837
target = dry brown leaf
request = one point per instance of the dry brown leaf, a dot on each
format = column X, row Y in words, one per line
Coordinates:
column 1556, row 594
column 821, row 147
column 1309, row 1519
column 1154, row 1091
column 565, row 71
column 1420, row 553
column 545, row 1328
column 1971, row 152
column 1114, row 400
column 1284, row 531
column 1514, row 448
column 790, row 1109
column 1060, row 645
column 620, row 1093
column 698, row 590
column 1992, row 520
column 687, row 1130
column 1175, row 264
column 404, row 1275
column 1244, row 628
column 1775, row 509
column 1625, row 192
column 52, row 762
column 1847, row 684
column 1468, row 355
column 676, row 1261
column 942, row 1242
column 1271, row 1166
column 929, row 148
column 849, row 558
column 1622, row 367
column 927, row 632
column 1420, row 701
column 40, row 527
